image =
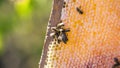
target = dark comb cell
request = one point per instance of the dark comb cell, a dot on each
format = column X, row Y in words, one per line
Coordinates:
column 64, row 4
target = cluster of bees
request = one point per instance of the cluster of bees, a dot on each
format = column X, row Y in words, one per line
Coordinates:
column 59, row 33
column 117, row 63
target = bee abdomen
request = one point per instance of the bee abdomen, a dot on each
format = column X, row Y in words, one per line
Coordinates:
column 64, row 38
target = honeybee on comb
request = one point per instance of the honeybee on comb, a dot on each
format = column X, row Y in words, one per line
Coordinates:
column 63, row 37
column 59, row 33
column 79, row 10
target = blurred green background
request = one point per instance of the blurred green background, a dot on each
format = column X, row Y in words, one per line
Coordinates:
column 23, row 26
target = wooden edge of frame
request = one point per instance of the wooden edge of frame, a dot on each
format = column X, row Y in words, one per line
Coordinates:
column 54, row 19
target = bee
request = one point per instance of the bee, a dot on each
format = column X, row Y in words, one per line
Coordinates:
column 79, row 10
column 63, row 37
column 117, row 63
column 59, row 33
column 55, row 34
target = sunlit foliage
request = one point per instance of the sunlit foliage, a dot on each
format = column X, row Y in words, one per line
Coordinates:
column 22, row 31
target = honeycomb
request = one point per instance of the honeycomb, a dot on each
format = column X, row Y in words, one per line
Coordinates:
column 94, row 37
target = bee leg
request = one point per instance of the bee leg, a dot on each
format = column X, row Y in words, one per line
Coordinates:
column 67, row 30
column 59, row 41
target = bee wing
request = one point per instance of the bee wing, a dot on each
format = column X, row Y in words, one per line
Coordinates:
column 52, row 34
column 61, row 30
column 60, row 25
column 64, row 37
column 64, row 30
column 53, row 29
